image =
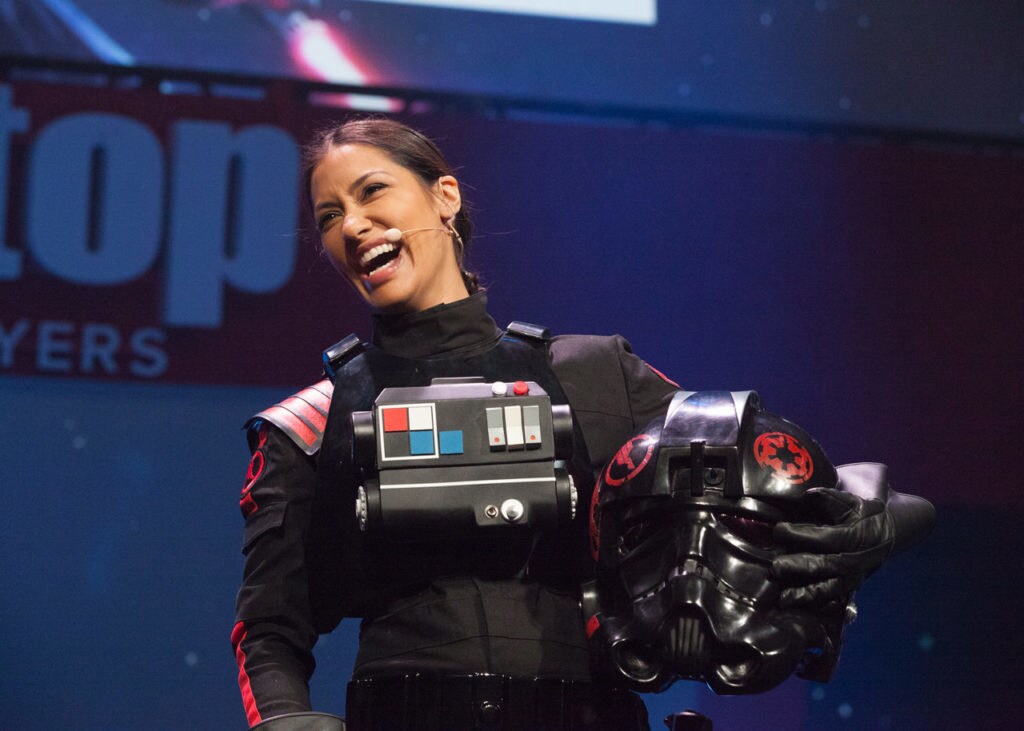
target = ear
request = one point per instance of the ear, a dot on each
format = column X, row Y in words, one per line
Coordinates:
column 450, row 196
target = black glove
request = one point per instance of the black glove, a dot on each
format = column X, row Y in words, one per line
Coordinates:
column 830, row 558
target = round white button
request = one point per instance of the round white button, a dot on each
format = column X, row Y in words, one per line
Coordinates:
column 511, row 510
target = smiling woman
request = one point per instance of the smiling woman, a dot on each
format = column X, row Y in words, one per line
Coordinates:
column 375, row 493
column 390, row 215
column 359, row 194
column 481, row 624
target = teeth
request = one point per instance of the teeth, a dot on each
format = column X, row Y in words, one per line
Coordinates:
column 375, row 252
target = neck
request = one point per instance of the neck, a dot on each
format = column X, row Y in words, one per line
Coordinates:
column 454, row 328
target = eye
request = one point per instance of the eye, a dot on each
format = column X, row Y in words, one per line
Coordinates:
column 327, row 218
column 373, row 188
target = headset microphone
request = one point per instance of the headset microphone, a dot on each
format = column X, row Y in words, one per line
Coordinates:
column 394, row 235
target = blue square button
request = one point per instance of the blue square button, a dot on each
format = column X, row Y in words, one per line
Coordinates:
column 450, row 442
column 421, row 442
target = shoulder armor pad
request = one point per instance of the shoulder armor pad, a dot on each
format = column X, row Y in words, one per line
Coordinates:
column 302, row 416
column 529, row 331
column 340, row 353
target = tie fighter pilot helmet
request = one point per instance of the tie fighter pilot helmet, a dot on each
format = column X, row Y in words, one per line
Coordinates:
column 681, row 530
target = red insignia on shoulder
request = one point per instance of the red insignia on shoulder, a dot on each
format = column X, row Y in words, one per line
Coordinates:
column 256, row 465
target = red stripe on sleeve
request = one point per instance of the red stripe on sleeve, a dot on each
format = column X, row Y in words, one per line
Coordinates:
column 305, row 411
column 662, row 376
column 314, row 395
column 286, row 419
column 252, row 713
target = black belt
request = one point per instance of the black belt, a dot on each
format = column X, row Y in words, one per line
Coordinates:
column 489, row 703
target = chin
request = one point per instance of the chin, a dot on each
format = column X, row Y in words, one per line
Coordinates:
column 390, row 302
column 385, row 298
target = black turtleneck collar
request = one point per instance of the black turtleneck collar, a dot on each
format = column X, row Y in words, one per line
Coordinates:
column 462, row 327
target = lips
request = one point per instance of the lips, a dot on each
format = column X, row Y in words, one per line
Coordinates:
column 376, row 262
column 377, row 257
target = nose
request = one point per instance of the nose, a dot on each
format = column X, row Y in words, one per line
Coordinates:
column 355, row 226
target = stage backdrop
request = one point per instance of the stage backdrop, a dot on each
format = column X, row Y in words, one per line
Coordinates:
column 951, row 67
column 158, row 285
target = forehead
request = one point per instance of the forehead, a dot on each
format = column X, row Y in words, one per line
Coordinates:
column 346, row 163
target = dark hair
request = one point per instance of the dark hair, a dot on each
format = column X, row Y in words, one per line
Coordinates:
column 411, row 149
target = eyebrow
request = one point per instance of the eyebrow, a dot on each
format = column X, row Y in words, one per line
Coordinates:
column 358, row 181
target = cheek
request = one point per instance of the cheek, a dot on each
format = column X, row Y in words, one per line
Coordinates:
column 335, row 254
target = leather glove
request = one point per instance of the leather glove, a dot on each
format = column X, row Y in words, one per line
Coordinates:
column 828, row 559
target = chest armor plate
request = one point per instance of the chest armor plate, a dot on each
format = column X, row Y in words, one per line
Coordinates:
column 356, row 573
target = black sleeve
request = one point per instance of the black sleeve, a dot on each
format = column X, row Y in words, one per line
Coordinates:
column 613, row 393
column 649, row 390
column 273, row 636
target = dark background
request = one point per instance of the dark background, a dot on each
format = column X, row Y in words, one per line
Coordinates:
column 861, row 273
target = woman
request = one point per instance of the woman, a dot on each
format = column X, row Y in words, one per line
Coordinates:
column 465, row 607
column 471, row 631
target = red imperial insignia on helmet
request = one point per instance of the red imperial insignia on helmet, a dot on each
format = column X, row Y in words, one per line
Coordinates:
column 785, row 456
column 629, row 461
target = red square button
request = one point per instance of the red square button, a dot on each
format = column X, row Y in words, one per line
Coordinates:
column 396, row 419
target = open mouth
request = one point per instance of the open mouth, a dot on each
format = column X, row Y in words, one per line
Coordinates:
column 378, row 257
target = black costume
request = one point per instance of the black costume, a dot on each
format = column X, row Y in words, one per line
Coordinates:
column 510, row 608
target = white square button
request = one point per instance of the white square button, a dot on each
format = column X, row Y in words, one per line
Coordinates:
column 420, row 418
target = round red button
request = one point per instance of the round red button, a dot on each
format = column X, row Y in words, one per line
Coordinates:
column 519, row 388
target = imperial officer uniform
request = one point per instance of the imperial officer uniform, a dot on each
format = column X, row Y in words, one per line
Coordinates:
column 477, row 631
